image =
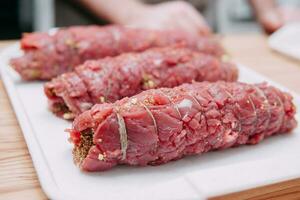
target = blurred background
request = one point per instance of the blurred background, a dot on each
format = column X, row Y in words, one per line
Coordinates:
column 17, row 16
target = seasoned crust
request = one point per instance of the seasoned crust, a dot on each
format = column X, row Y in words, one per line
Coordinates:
column 81, row 150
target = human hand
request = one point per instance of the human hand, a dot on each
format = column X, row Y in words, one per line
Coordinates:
column 277, row 17
column 289, row 13
column 170, row 15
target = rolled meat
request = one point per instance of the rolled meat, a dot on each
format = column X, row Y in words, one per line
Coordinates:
column 112, row 78
column 161, row 125
column 48, row 55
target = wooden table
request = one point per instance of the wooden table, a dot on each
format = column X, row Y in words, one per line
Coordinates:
column 18, row 179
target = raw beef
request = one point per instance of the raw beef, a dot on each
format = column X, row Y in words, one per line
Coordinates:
column 161, row 125
column 48, row 55
column 112, row 78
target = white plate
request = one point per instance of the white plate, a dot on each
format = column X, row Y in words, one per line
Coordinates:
column 213, row 173
column 286, row 40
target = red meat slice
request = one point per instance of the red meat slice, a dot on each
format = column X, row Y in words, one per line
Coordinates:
column 46, row 56
column 161, row 125
column 112, row 78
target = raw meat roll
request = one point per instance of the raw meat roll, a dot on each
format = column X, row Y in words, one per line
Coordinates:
column 161, row 125
column 46, row 56
column 112, row 78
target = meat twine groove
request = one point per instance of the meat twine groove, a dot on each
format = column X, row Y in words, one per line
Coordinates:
column 151, row 115
column 123, row 135
column 175, row 106
column 123, row 132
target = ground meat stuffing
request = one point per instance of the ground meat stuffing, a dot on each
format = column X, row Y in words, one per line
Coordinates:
column 81, row 150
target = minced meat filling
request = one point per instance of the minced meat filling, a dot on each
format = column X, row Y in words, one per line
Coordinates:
column 81, row 150
column 61, row 108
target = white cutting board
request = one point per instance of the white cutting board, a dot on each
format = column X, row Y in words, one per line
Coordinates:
column 194, row 177
column 287, row 40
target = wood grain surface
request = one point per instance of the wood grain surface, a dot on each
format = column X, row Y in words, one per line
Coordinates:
column 18, row 179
